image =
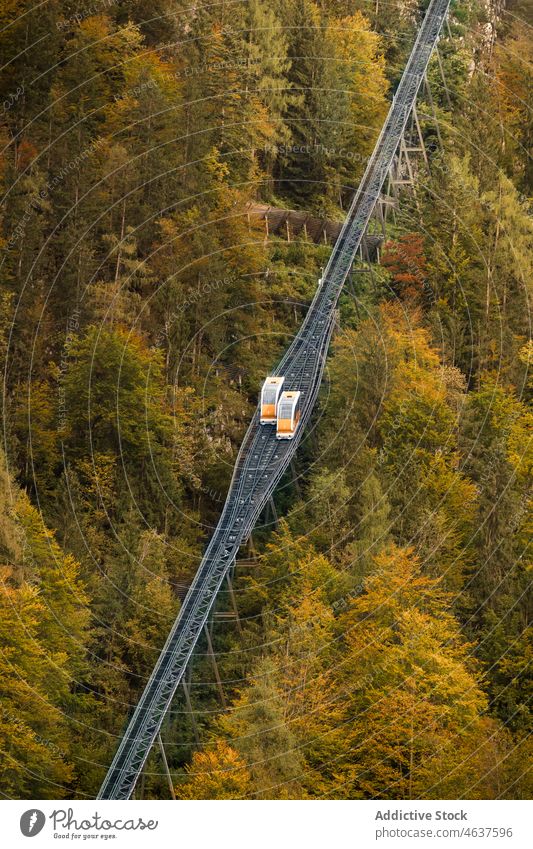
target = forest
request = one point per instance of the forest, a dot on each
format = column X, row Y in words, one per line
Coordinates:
column 378, row 642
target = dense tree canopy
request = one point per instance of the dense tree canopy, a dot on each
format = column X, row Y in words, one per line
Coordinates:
column 382, row 643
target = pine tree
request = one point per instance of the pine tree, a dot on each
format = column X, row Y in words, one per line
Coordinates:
column 313, row 115
column 406, row 262
column 151, row 605
column 257, row 728
column 33, row 737
column 44, row 637
column 359, row 72
column 216, row 773
column 498, row 459
column 267, row 71
column 325, row 515
column 515, row 86
column 409, row 690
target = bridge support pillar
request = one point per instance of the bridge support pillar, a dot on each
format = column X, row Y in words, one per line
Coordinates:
column 139, row 793
column 392, row 189
column 433, row 111
column 251, row 546
column 214, row 665
column 405, row 152
column 273, row 512
column 403, row 156
column 233, row 601
column 187, row 693
column 421, row 142
column 165, row 764
column 295, row 478
column 380, row 216
column 443, row 78
column 366, row 257
column 350, row 284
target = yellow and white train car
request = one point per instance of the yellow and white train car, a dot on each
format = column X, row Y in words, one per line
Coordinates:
column 269, row 399
column 288, row 415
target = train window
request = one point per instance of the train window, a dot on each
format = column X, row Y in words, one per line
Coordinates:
column 288, row 415
column 285, row 410
column 269, row 399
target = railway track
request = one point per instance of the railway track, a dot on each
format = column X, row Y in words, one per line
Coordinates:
column 262, row 459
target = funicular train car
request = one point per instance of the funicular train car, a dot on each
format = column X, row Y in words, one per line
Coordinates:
column 288, row 415
column 269, row 399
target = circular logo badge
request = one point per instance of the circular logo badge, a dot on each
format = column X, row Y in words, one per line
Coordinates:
column 32, row 822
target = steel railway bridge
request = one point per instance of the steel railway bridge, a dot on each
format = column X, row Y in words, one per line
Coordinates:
column 262, row 459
